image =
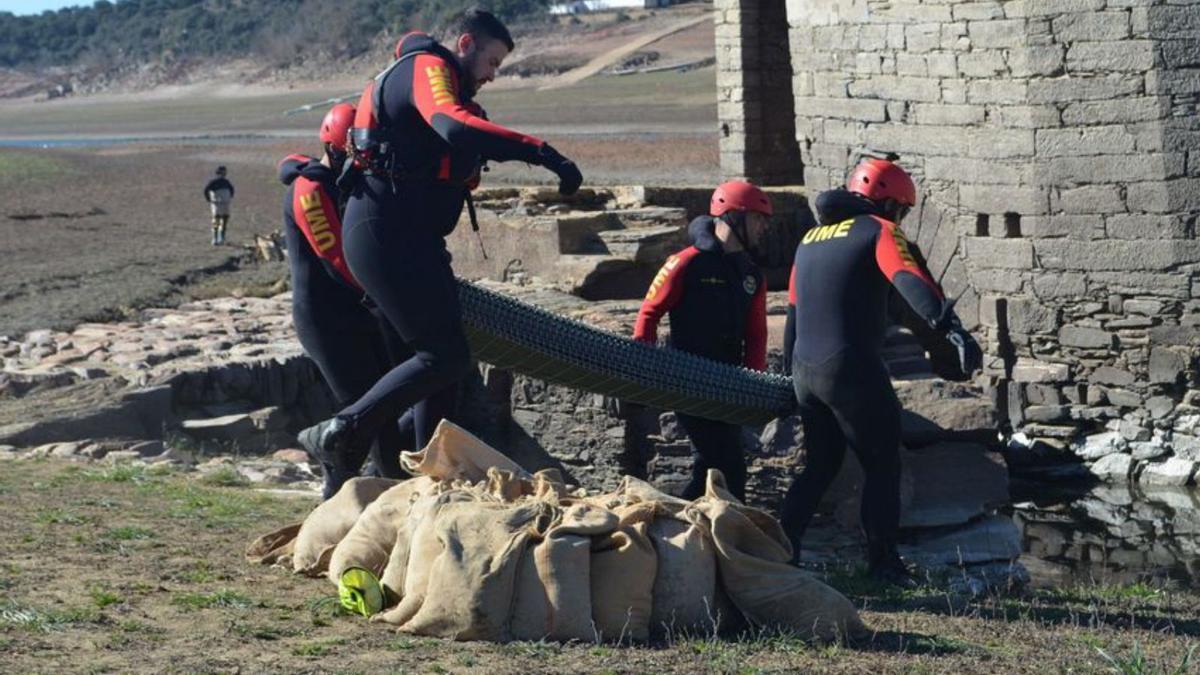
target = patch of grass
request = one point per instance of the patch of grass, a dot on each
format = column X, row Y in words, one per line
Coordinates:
column 102, row 598
column 1136, row 662
column 30, row 166
column 199, row 572
column 226, row 476
column 58, row 516
column 323, row 609
column 317, row 648
column 129, row 533
column 222, row 599
column 37, row 620
column 119, row 473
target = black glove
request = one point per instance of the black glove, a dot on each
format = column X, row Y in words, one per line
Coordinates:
column 569, row 177
column 969, row 356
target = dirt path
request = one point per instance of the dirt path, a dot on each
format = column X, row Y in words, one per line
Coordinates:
column 614, row 56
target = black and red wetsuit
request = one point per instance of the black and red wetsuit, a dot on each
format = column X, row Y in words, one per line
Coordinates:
column 717, row 303
column 844, row 269
column 424, row 144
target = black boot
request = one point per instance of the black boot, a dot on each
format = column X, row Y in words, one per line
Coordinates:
column 885, row 566
column 330, row 443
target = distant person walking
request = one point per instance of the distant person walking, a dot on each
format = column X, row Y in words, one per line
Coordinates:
column 219, row 194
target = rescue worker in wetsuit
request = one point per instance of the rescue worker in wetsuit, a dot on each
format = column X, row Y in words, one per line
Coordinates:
column 346, row 341
column 833, row 338
column 218, row 192
column 419, row 144
column 717, row 301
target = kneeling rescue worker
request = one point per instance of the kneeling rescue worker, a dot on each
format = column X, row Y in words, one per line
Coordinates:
column 418, row 143
column 345, row 340
column 834, row 335
column 717, row 301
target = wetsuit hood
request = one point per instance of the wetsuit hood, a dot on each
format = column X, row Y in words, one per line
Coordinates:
column 834, row 206
column 702, row 234
column 295, row 166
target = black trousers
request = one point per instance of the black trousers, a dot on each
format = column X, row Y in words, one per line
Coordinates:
column 394, row 243
column 715, row 445
column 848, row 400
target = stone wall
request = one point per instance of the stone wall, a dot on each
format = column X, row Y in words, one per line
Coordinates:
column 1057, row 148
column 758, row 140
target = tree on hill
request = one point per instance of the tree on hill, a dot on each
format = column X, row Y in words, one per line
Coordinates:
column 136, row 31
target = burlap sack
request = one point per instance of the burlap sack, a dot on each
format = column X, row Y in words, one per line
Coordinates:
column 274, row 548
column 752, row 558
column 370, row 542
column 469, row 583
column 623, row 568
column 407, row 570
column 553, row 596
column 685, row 583
column 331, row 520
column 455, row 454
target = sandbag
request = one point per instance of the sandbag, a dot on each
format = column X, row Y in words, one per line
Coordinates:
column 331, row 520
column 455, row 454
column 623, row 568
column 470, row 580
column 274, row 548
column 685, row 582
column 755, row 573
column 407, row 571
column 369, row 543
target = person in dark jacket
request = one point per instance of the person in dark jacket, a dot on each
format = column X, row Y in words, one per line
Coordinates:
column 351, row 345
column 419, row 143
column 844, row 268
column 218, row 192
column 717, row 301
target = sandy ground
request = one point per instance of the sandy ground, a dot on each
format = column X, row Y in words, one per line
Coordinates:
column 117, row 569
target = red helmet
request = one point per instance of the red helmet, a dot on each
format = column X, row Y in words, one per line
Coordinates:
column 336, row 125
column 738, row 195
column 880, row 179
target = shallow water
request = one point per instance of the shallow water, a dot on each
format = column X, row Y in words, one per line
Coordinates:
column 1109, row 534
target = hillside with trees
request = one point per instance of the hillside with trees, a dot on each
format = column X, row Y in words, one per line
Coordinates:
column 128, row 32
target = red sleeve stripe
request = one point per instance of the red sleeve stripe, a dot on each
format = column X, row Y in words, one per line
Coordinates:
column 755, row 349
column 664, row 294
column 318, row 220
column 893, row 256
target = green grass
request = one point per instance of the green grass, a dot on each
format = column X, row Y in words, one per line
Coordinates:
column 317, row 648
column 58, row 516
column 226, row 476
column 129, row 533
column 1137, row 662
column 36, row 620
column 32, row 165
column 222, row 599
column 102, row 598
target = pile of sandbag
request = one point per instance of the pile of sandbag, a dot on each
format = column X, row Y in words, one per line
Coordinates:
column 475, row 548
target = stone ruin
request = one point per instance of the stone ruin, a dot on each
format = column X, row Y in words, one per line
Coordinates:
column 1057, row 148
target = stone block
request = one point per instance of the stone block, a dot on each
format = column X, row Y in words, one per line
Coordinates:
column 1115, row 255
column 977, row 171
column 1123, row 398
column 997, row 34
column 993, row 538
column 1026, row 116
column 916, row 39
column 1115, row 468
column 1092, row 448
column 1175, row 471
column 1031, row 370
column 1084, row 141
column 1133, row 432
column 1042, row 394
column 977, row 11
column 919, row 140
column 1160, row 406
column 999, row 199
column 1091, row 199
column 1085, row 337
column 996, row 143
column 1167, row 366
column 948, row 115
column 982, row 63
column 1186, row 446
column 1145, row 450
column 1114, row 376
column 942, row 65
column 1002, row 281
column 897, row 88
column 1028, row 316
column 1001, row 91
column 1170, row 196
column 1076, row 227
column 1036, row 61
column 1147, row 226
column 1091, row 26
column 1039, row 8
column 1128, row 168
column 1117, row 111
column 992, row 253
column 1180, row 53
column 859, row 110
column 1069, row 89
column 1047, row 413
column 1132, row 56
column 1146, row 307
